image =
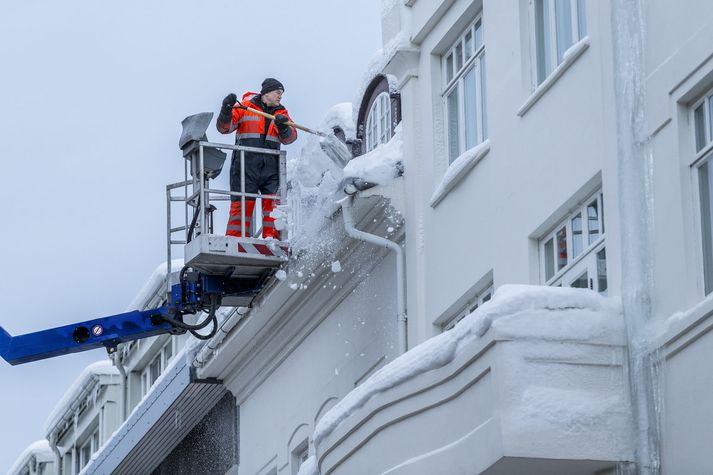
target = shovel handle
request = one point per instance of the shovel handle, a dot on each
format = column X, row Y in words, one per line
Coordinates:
column 272, row 117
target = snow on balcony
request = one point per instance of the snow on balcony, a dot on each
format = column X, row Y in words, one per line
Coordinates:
column 532, row 380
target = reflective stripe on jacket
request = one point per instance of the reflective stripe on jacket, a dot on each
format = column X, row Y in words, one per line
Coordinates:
column 254, row 130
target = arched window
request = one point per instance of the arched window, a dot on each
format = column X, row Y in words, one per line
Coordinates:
column 378, row 122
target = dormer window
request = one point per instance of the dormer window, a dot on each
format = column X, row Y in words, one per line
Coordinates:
column 379, row 113
column 378, row 123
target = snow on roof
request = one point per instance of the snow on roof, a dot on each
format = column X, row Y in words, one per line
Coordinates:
column 156, row 280
column 39, row 449
column 516, row 311
column 90, row 374
column 379, row 61
column 340, row 115
column 382, row 164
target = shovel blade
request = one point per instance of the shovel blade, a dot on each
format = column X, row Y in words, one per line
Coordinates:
column 336, row 150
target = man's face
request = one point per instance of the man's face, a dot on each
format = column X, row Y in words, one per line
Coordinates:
column 272, row 98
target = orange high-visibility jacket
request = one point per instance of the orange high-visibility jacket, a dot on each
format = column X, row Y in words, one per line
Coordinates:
column 253, row 130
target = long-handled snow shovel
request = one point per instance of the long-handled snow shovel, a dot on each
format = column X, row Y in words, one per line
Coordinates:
column 335, row 149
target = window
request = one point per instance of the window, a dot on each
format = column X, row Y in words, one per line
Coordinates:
column 479, row 299
column 86, row 450
column 464, row 91
column 158, row 365
column 573, row 254
column 558, row 25
column 378, row 123
column 705, row 184
column 702, row 124
column 299, row 456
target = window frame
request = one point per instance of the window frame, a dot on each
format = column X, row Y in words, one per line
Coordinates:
column 707, row 103
column 589, row 247
column 578, row 25
column 147, row 381
column 379, row 116
column 453, row 80
column 705, row 249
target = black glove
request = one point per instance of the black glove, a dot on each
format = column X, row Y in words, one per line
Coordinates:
column 281, row 123
column 226, row 112
column 230, row 100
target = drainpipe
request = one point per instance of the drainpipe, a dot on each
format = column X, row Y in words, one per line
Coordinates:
column 346, row 204
column 124, row 382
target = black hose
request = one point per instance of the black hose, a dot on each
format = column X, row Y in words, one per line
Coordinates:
column 197, row 326
column 209, row 335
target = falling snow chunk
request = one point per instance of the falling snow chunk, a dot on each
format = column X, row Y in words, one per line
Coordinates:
column 390, row 229
column 300, row 274
column 336, row 266
column 281, row 274
column 293, row 286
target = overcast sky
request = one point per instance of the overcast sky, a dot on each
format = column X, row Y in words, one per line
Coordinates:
column 92, row 95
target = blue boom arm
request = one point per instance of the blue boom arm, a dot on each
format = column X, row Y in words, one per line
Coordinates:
column 101, row 332
column 195, row 293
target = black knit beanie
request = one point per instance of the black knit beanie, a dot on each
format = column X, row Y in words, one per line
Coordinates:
column 271, row 84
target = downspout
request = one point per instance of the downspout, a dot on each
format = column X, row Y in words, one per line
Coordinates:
column 124, row 383
column 635, row 162
column 401, row 320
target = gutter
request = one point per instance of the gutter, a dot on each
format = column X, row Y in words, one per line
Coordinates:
column 351, row 190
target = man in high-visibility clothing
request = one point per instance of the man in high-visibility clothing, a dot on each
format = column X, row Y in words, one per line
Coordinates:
column 261, row 169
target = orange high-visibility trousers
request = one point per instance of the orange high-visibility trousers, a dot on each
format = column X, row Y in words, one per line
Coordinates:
column 268, row 222
column 235, row 227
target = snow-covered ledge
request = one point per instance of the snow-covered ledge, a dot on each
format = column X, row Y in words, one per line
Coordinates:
column 531, row 382
column 570, row 56
column 460, row 167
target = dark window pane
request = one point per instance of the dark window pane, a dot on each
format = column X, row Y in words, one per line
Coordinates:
column 700, row 127
column 581, row 282
column 449, row 68
column 549, row 259
column 563, row 16
column 561, row 248
column 468, row 45
column 593, row 221
column 705, row 186
column 453, row 133
column 478, row 36
column 542, row 39
column 459, row 56
column 470, row 106
column 581, row 19
column 577, row 238
column 602, row 271
column 484, row 103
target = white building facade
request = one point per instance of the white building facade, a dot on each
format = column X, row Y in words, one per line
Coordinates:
column 560, row 143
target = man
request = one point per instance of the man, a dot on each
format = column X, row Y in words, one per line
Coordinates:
column 261, row 169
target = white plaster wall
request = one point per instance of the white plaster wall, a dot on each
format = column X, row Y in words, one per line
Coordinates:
column 536, row 163
column 359, row 335
column 679, row 48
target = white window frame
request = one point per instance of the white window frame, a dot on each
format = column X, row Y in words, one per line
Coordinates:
column 705, row 222
column 453, row 82
column 91, row 443
column 565, row 274
column 163, row 359
column 299, row 456
column 478, row 300
column 551, row 57
column 706, row 103
column 378, row 122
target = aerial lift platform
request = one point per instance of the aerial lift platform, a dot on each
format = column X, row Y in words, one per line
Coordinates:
column 218, row 271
